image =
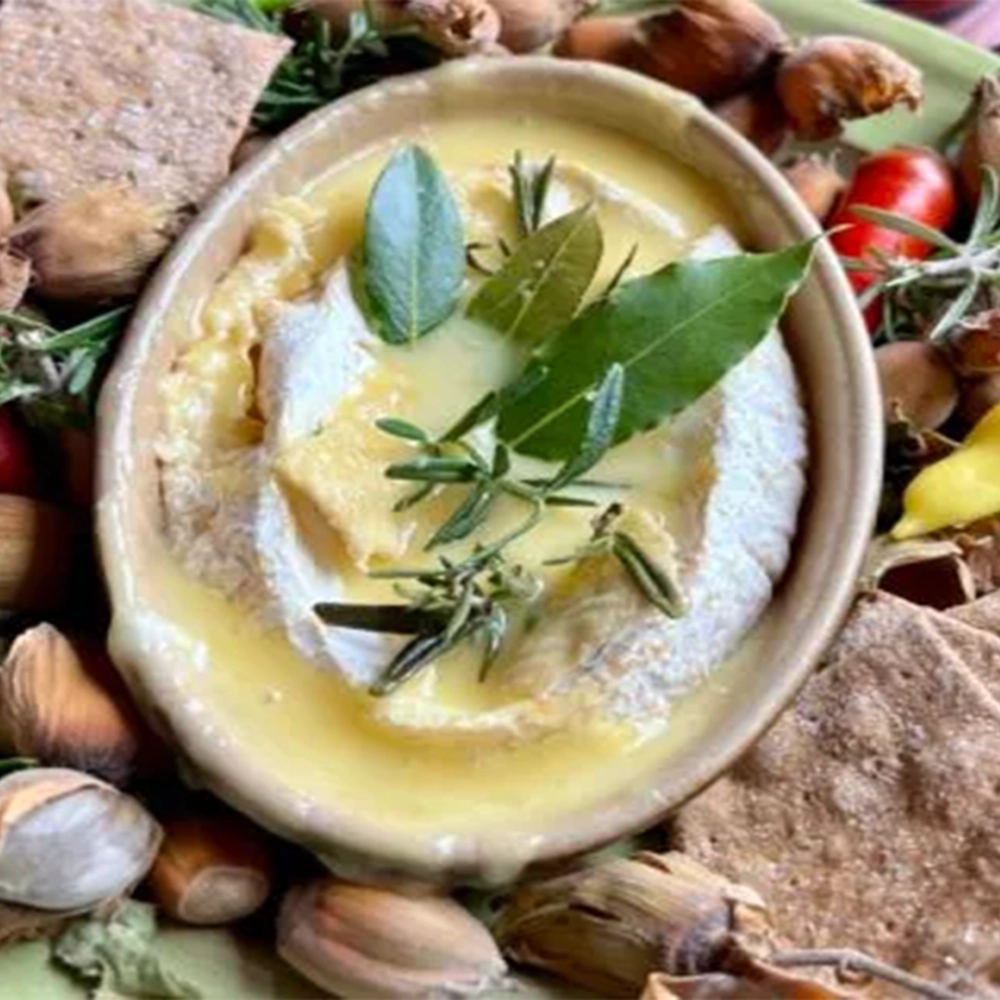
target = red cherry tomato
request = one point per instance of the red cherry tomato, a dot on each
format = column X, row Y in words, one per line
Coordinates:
column 915, row 183
column 17, row 470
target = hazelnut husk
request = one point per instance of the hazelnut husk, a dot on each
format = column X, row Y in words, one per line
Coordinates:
column 70, row 843
column 454, row 27
column 15, row 278
column 981, row 144
column 529, row 25
column 711, row 48
column 62, row 703
column 758, row 115
column 610, row 927
column 211, row 870
column 918, row 382
column 835, row 79
column 355, row 940
column 95, row 246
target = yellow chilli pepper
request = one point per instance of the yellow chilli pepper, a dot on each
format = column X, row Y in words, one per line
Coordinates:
column 959, row 489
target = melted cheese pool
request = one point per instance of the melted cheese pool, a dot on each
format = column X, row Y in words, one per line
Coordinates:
column 411, row 763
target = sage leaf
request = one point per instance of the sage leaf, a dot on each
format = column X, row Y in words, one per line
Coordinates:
column 602, row 423
column 414, row 249
column 540, row 288
column 675, row 333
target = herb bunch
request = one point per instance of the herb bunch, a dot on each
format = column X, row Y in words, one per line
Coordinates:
column 320, row 68
column 595, row 374
column 928, row 299
column 55, row 375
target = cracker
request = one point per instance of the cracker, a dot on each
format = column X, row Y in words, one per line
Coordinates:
column 94, row 91
column 868, row 816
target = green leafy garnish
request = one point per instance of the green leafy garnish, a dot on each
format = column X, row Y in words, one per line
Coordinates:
column 55, row 375
column 675, row 333
column 541, row 286
column 320, row 68
column 414, row 249
column 530, row 188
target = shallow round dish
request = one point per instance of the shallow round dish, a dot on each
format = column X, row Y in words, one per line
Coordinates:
column 826, row 338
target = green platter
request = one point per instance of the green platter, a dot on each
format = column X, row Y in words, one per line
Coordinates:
column 227, row 967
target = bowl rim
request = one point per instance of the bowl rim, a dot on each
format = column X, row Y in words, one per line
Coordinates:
column 249, row 786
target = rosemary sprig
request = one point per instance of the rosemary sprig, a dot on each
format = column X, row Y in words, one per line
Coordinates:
column 927, row 299
column 320, row 68
column 55, row 374
column 475, row 598
column 454, row 461
column 656, row 582
column 530, row 187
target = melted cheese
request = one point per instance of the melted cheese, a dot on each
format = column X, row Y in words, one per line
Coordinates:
column 325, row 514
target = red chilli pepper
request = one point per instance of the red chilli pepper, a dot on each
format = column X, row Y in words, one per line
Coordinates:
column 17, row 470
column 912, row 182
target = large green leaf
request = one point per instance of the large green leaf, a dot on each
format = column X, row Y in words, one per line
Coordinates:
column 414, row 249
column 675, row 333
column 539, row 290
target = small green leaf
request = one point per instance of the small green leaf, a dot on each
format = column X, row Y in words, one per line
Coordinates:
column 471, row 514
column 539, row 290
column 426, row 469
column 401, row 429
column 909, row 227
column 414, row 249
column 11, row 765
column 602, row 423
column 675, row 333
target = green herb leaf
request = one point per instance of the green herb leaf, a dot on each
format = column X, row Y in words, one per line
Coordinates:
column 391, row 619
column 414, row 248
column 470, row 515
column 530, row 188
column 11, row 765
column 540, row 288
column 427, row 469
column 675, row 333
column 401, row 429
column 602, row 423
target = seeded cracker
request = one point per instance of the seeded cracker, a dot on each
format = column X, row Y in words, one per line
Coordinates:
column 868, row 817
column 104, row 90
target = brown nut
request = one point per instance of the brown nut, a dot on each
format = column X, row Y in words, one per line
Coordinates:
column 358, row 940
column 211, row 870
column 817, row 182
column 974, row 344
column 62, row 703
column 38, row 552
column 916, row 377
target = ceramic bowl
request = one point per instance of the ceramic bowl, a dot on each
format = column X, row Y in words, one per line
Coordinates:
column 831, row 352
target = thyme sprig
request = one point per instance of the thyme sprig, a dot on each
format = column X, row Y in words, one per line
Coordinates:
column 927, row 299
column 55, row 374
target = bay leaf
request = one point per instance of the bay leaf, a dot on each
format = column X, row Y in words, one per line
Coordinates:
column 413, row 249
column 540, row 288
column 675, row 333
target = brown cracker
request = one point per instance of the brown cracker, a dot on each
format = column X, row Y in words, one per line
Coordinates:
column 93, row 91
column 868, row 817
